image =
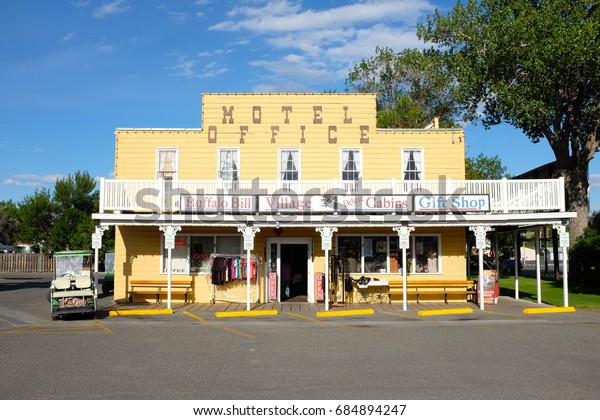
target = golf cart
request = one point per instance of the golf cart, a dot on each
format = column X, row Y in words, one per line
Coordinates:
column 73, row 289
column 108, row 283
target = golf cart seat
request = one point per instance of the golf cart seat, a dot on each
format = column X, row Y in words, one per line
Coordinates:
column 83, row 282
column 62, row 283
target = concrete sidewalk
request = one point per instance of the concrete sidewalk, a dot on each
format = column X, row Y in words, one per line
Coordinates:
column 506, row 305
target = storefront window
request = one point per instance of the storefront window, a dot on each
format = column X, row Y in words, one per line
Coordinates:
column 382, row 254
column 375, row 252
column 179, row 257
column 192, row 253
column 349, row 247
column 229, row 245
column 200, row 249
column 426, row 254
column 395, row 255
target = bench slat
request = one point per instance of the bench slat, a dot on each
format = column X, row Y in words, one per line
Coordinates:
column 159, row 287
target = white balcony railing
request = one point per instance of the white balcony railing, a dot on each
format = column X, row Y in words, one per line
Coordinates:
column 505, row 196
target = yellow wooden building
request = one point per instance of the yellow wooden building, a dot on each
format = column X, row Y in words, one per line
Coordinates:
column 321, row 199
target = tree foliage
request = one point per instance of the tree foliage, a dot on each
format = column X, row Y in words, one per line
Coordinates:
column 412, row 87
column 9, row 222
column 61, row 220
column 534, row 64
column 36, row 212
column 484, row 167
column 585, row 255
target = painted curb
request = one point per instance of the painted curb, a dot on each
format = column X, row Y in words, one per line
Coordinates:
column 133, row 312
column 349, row 312
column 548, row 310
column 432, row 312
column 234, row 314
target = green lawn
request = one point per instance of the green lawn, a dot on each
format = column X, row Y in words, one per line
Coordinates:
column 552, row 292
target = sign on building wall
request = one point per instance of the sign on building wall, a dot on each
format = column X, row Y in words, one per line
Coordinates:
column 456, row 203
column 295, row 204
column 199, row 203
column 374, row 203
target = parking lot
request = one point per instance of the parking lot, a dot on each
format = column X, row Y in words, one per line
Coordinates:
column 499, row 353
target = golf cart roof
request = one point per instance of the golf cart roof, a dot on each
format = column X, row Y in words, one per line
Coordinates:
column 68, row 253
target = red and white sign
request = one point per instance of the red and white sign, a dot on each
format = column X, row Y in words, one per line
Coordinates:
column 294, row 204
column 217, row 203
column 374, row 203
column 320, row 286
column 272, row 287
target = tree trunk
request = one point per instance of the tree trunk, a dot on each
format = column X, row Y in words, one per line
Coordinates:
column 577, row 182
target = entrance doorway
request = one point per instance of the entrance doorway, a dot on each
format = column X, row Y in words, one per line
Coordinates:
column 294, row 273
column 289, row 270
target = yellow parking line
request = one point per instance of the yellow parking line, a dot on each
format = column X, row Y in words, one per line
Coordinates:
column 548, row 310
column 101, row 325
column 431, row 312
column 250, row 336
column 304, row 317
column 401, row 315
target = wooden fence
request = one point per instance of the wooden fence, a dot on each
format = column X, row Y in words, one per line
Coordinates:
column 26, row 263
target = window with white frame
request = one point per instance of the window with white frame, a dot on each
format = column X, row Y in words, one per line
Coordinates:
column 192, row 252
column 228, row 164
column 351, row 167
column 289, row 164
column 412, row 164
column 166, row 164
column 371, row 254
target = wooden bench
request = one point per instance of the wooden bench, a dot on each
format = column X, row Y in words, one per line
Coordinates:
column 447, row 288
column 159, row 287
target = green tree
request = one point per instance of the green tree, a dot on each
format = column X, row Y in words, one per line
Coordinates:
column 584, row 261
column 483, row 167
column 61, row 220
column 36, row 213
column 534, row 64
column 9, row 222
column 412, row 87
column 76, row 198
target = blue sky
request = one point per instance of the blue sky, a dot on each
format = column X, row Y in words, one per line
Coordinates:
column 73, row 71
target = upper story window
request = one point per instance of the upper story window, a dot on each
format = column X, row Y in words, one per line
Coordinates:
column 229, row 164
column 351, row 164
column 412, row 164
column 289, row 164
column 166, row 164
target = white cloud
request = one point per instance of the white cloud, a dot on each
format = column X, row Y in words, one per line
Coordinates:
column 31, row 180
column 286, row 16
column 189, row 68
column 106, row 48
column 324, row 44
column 112, row 8
column 68, row 37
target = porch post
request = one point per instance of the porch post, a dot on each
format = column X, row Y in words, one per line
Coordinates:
column 480, row 232
column 404, row 243
column 564, row 243
column 538, row 271
column 97, row 244
column 516, row 235
column 170, row 232
column 249, row 232
column 326, row 244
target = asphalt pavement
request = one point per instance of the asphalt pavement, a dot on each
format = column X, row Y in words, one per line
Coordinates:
column 500, row 353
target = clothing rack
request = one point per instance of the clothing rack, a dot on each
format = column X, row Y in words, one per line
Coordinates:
column 232, row 269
